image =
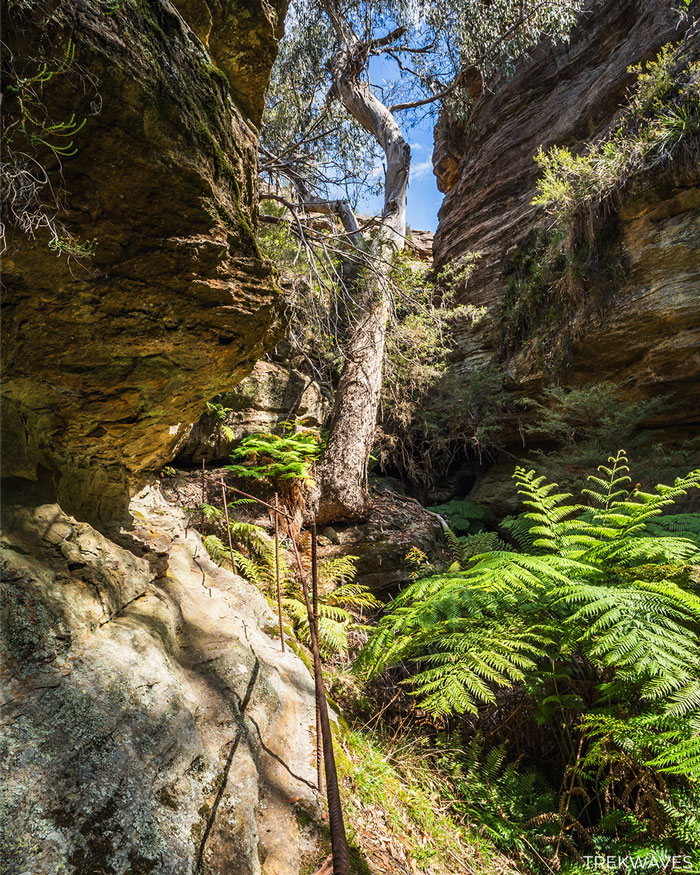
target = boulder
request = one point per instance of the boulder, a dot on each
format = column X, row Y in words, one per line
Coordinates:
column 271, row 394
column 150, row 721
column 395, row 526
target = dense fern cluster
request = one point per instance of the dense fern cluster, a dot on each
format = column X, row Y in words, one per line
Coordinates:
column 340, row 598
column 276, row 457
column 597, row 620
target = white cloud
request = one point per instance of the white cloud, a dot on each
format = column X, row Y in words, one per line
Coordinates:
column 418, row 171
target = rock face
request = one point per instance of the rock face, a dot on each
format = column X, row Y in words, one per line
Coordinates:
column 149, row 723
column 646, row 337
column 395, row 526
column 271, row 394
column 107, row 358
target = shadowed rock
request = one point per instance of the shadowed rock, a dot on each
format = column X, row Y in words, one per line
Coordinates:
column 106, row 359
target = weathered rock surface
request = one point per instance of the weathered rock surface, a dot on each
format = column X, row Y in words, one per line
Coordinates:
column 148, row 722
column 396, row 525
column 271, row 394
column 646, row 336
column 421, row 244
column 106, row 359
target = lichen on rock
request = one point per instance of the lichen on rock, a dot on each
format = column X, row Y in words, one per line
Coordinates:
column 145, row 729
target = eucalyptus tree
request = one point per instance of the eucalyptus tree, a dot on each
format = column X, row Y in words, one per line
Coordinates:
column 350, row 73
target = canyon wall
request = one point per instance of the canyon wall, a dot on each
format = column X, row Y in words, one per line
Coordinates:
column 643, row 333
column 107, row 358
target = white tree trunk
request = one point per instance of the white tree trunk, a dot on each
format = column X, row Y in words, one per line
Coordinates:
column 342, row 474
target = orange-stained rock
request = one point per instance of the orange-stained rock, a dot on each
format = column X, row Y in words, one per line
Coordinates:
column 107, row 359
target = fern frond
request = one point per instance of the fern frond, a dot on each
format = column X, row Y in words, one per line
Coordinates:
column 215, row 548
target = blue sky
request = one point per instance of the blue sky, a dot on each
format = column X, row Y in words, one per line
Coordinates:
column 424, row 199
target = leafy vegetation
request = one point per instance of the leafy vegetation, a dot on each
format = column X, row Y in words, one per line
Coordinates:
column 427, row 417
column 219, row 414
column 35, row 141
column 282, row 461
column 662, row 117
column 593, row 625
column 463, row 515
column 579, row 424
column 555, row 280
column 276, row 457
column 565, row 271
column 340, row 598
column 398, row 798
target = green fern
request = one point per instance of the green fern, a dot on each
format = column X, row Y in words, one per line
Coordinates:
column 215, row 548
column 465, row 548
column 598, row 584
column 274, row 457
column 597, row 614
column 463, row 515
column 335, row 605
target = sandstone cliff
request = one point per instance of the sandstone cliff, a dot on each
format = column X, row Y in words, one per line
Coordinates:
column 107, row 358
column 643, row 334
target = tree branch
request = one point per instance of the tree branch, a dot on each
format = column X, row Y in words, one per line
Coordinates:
column 414, row 104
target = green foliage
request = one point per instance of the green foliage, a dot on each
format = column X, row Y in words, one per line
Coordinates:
column 463, row 515
column 681, row 525
column 663, row 113
column 321, row 144
column 592, row 413
column 426, row 414
column 339, row 597
column 467, row 547
column 397, row 796
column 563, row 274
column 219, row 414
column 597, row 621
column 63, row 245
column 35, row 143
column 516, row 807
column 276, row 457
column 555, row 279
column 584, row 421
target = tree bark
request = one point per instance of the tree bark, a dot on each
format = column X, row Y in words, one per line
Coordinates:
column 342, row 474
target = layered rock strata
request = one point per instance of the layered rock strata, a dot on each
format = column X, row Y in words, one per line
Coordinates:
column 107, row 358
column 645, row 335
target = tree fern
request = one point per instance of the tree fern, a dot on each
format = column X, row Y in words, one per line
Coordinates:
column 276, row 457
column 594, row 585
column 598, row 614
